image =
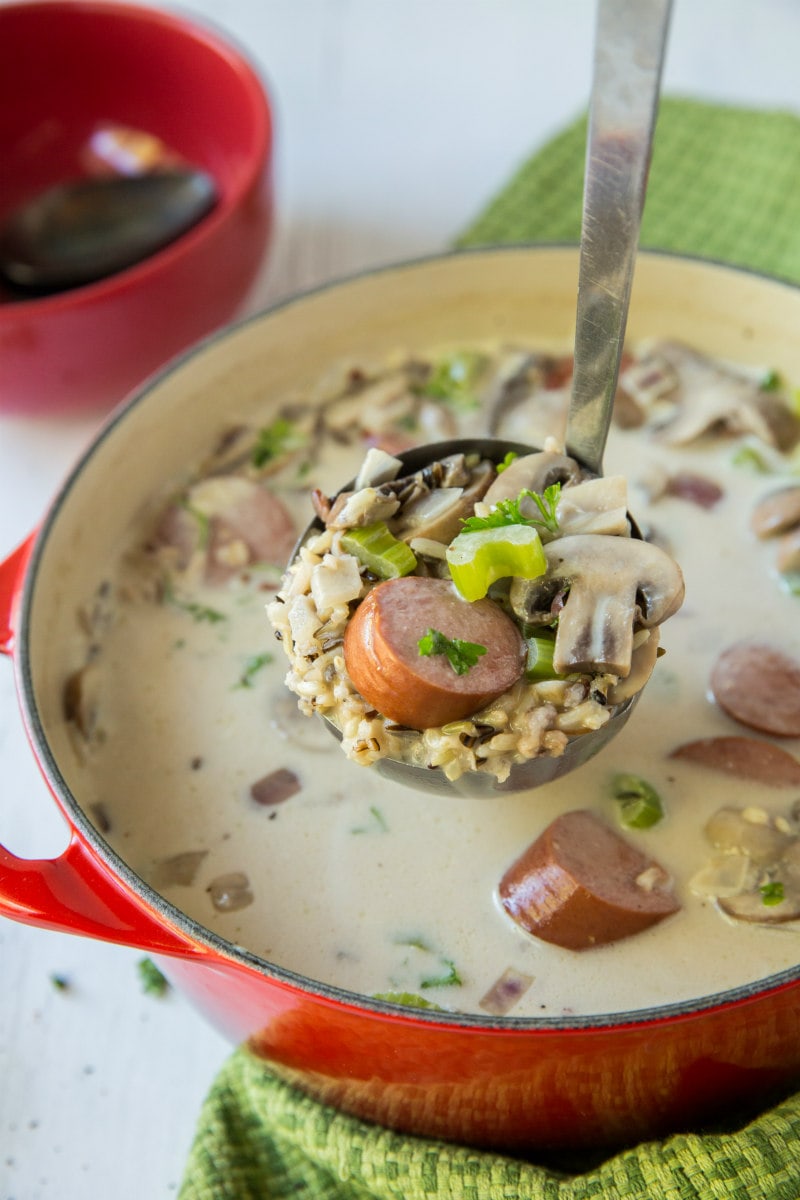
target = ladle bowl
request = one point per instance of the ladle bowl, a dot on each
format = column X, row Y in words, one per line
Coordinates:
column 524, row 775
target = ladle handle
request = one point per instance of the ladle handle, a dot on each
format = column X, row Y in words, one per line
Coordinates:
column 629, row 52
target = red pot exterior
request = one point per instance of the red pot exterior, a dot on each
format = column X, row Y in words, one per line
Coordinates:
column 508, row 1086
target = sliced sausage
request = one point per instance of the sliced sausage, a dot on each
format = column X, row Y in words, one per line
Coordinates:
column 759, row 686
column 383, row 659
column 744, row 757
column 581, row 885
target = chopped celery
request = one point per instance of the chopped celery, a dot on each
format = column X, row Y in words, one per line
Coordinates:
column 540, row 658
column 379, row 550
column 507, row 461
column 478, row 559
column 748, row 456
column 455, row 377
column 639, row 803
column 409, row 999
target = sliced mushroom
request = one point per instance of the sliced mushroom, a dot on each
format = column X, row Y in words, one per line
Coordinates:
column 351, row 510
column 613, row 584
column 755, row 906
column 81, row 699
column 643, row 661
column 439, row 514
column 788, row 557
column 534, row 472
column 777, row 513
column 594, row 506
column 720, row 399
column 378, row 467
column 749, row 831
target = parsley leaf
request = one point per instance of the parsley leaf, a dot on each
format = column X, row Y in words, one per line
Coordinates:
column 454, row 379
column 153, row 982
column 771, row 893
column 274, row 440
column 507, row 512
column 461, row 655
column 449, row 978
column 252, row 667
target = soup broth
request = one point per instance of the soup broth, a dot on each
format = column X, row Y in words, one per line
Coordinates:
column 202, row 773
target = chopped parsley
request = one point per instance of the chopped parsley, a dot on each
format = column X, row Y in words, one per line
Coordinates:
column 507, row 512
column 60, row 983
column 771, row 381
column 252, row 667
column 200, row 612
column 153, row 982
column 771, row 893
column 461, row 655
column 274, row 440
column 449, row 978
column 378, row 822
column 454, row 379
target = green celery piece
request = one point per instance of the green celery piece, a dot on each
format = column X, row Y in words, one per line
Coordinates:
column 409, row 999
column 639, row 803
column 478, row 559
column 539, row 663
column 379, row 550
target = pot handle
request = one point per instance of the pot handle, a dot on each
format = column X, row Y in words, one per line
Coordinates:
column 11, row 574
column 77, row 893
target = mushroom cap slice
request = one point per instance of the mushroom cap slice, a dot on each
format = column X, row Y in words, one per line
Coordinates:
column 535, row 472
column 439, row 514
column 777, row 512
column 613, row 584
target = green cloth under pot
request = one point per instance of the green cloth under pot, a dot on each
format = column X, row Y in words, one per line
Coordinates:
column 724, row 184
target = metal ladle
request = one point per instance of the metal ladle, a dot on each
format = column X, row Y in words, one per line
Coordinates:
column 630, row 40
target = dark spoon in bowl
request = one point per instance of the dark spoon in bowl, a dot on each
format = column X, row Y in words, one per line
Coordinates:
column 78, row 232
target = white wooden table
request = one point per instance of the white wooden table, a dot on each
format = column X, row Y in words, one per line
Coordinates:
column 396, row 123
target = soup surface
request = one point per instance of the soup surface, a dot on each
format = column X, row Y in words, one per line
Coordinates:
column 201, row 772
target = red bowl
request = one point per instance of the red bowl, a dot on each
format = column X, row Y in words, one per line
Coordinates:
column 66, row 68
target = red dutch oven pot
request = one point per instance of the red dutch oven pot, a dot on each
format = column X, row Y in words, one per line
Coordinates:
column 516, row 1084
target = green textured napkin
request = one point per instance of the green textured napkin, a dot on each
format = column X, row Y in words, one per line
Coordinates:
column 724, row 184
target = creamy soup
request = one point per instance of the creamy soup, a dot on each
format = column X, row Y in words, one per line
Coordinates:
column 200, row 770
